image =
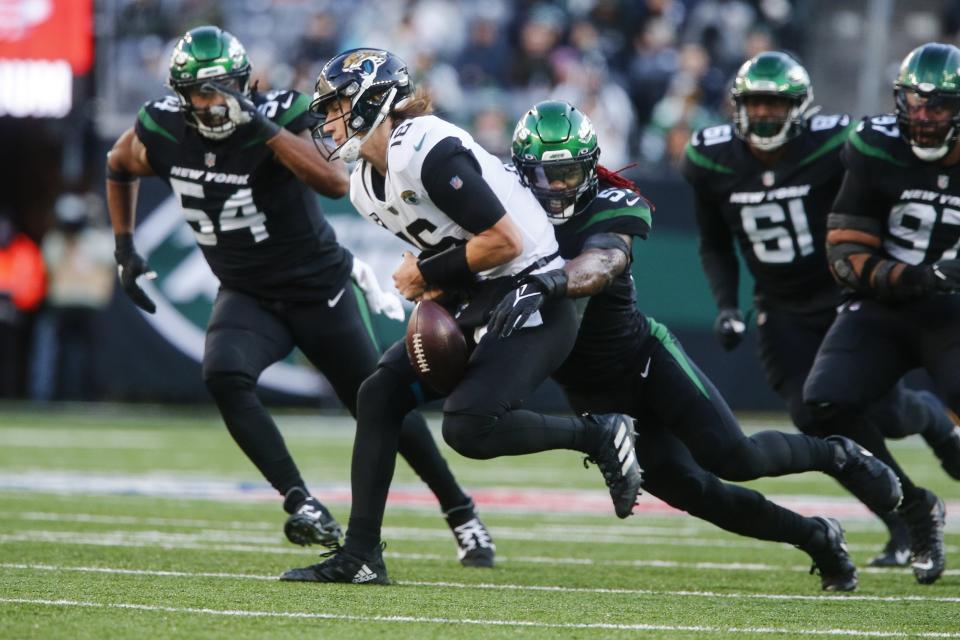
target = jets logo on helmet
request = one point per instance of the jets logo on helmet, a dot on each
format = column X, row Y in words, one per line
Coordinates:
column 202, row 55
column 773, row 75
column 555, row 152
column 927, row 94
column 374, row 81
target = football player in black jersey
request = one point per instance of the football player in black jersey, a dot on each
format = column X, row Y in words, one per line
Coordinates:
column 476, row 228
column 240, row 163
column 626, row 361
column 892, row 242
column 766, row 183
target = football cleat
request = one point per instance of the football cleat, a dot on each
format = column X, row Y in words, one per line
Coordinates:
column 926, row 519
column 311, row 523
column 830, row 558
column 896, row 553
column 617, row 459
column 343, row 566
column 870, row 480
column 475, row 547
column 948, row 452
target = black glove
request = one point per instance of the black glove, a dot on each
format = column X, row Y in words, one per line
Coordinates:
column 946, row 275
column 130, row 266
column 729, row 328
column 241, row 111
column 525, row 300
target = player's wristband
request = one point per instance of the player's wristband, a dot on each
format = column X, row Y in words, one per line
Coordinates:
column 447, row 267
column 124, row 245
column 552, row 284
column 119, row 176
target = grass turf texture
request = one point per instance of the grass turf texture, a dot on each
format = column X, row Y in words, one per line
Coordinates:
column 83, row 565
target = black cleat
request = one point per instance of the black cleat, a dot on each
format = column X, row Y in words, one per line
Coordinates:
column 949, row 453
column 830, row 558
column 926, row 518
column 896, row 553
column 342, row 566
column 617, row 460
column 311, row 523
column 475, row 547
column 870, row 480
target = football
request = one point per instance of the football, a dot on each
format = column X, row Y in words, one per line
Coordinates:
column 436, row 347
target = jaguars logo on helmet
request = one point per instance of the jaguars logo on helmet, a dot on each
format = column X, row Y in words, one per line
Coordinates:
column 773, row 74
column 375, row 81
column 202, row 55
column 555, row 142
column 928, row 84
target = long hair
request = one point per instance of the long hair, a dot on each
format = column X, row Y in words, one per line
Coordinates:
column 418, row 104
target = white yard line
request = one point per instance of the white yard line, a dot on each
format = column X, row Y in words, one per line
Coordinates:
column 155, row 539
column 658, row 537
column 367, row 619
column 839, row 598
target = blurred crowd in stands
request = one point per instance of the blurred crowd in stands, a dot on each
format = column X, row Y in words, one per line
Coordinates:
column 647, row 71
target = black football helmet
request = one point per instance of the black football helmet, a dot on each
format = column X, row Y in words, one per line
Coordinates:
column 375, row 81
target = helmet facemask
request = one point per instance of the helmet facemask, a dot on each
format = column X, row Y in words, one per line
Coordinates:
column 210, row 121
column 929, row 120
column 367, row 112
column 555, row 152
column 375, row 82
column 559, row 182
column 770, row 133
column 204, row 55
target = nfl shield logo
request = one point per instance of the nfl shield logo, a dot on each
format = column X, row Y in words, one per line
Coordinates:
column 456, row 182
column 943, row 181
column 767, row 178
column 209, row 159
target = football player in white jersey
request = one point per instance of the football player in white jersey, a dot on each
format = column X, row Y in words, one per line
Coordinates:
column 477, row 231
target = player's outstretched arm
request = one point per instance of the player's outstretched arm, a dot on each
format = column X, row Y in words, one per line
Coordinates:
column 126, row 163
column 298, row 153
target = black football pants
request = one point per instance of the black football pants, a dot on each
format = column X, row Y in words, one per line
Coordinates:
column 481, row 416
column 868, row 348
column 246, row 335
column 788, row 344
column 688, row 439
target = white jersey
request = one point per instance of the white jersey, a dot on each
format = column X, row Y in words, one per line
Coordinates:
column 409, row 213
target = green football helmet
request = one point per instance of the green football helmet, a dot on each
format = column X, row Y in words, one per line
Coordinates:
column 776, row 75
column 927, row 94
column 208, row 54
column 555, row 152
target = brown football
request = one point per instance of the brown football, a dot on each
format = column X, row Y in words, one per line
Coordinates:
column 436, row 347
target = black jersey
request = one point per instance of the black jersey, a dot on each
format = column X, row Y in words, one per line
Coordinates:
column 259, row 227
column 777, row 215
column 612, row 330
column 916, row 202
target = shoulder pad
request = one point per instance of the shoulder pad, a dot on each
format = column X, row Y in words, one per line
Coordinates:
column 876, row 138
column 831, row 123
column 616, row 209
column 281, row 105
column 707, row 150
column 161, row 117
column 712, row 136
column 413, row 139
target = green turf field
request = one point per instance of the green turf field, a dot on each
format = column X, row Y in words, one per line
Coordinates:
column 135, row 523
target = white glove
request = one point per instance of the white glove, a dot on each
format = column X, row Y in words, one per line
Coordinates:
column 379, row 301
